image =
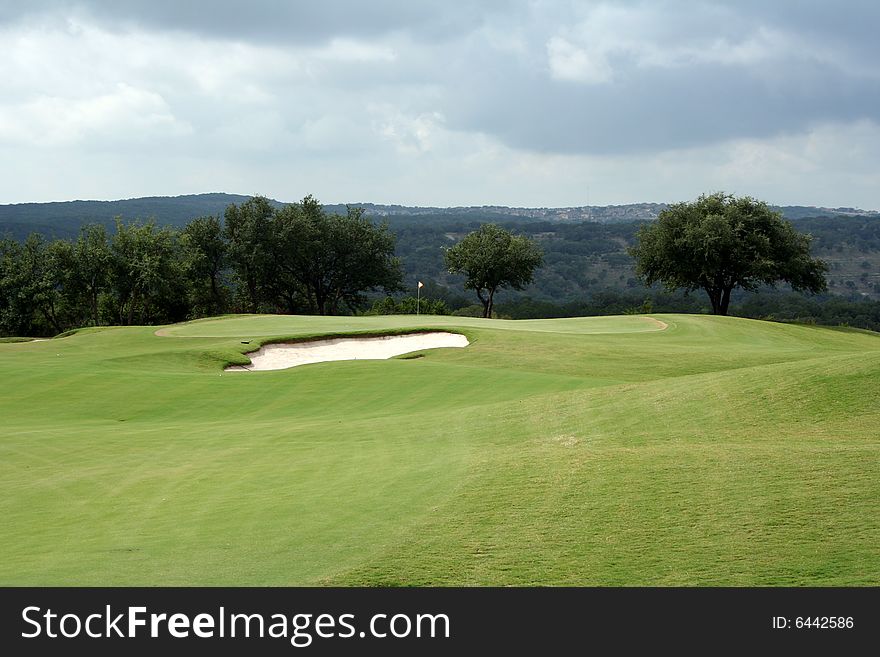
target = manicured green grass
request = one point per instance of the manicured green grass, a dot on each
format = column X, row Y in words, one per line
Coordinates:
column 599, row 450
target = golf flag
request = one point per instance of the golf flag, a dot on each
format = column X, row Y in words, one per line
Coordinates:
column 421, row 285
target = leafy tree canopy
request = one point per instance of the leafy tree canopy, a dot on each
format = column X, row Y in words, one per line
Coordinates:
column 300, row 258
column 205, row 256
column 720, row 242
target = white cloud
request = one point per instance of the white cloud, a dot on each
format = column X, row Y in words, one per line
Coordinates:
column 349, row 50
column 456, row 168
column 644, row 35
column 127, row 114
column 810, row 168
column 408, row 134
column 570, row 62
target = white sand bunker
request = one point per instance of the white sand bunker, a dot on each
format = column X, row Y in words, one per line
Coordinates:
column 283, row 356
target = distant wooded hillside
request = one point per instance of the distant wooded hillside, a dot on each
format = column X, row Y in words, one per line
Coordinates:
column 63, row 219
column 585, row 247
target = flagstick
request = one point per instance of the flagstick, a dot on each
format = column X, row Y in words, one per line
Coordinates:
column 418, row 298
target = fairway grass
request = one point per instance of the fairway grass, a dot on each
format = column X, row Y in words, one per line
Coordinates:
column 661, row 450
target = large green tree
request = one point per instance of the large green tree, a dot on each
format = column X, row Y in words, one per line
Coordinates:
column 27, row 298
column 45, row 286
column 492, row 258
column 330, row 260
column 90, row 269
column 146, row 281
column 205, row 255
column 721, row 242
column 248, row 232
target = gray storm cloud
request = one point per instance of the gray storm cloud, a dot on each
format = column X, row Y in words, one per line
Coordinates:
column 462, row 100
column 274, row 20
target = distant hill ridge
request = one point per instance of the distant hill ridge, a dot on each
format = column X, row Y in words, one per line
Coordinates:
column 63, row 218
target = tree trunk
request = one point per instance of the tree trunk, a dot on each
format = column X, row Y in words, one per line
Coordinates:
column 250, row 281
column 49, row 314
column 321, row 297
column 131, row 302
column 725, row 301
column 714, row 298
column 215, row 293
column 94, row 303
column 484, row 301
column 310, row 296
column 491, row 304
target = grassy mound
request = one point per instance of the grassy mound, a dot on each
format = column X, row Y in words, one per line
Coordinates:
column 606, row 450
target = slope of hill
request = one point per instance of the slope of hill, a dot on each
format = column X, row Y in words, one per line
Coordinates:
column 718, row 451
column 63, row 219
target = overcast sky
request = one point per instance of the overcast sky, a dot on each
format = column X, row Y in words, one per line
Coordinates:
column 442, row 102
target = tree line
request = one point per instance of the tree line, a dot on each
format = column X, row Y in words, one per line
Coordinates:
column 298, row 258
column 260, row 258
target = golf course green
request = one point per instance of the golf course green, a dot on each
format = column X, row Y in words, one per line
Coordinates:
column 632, row 450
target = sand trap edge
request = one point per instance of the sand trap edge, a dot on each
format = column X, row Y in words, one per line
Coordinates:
column 288, row 354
